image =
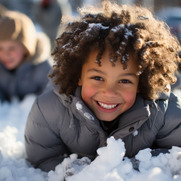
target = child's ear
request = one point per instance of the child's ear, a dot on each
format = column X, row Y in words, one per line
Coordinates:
column 80, row 82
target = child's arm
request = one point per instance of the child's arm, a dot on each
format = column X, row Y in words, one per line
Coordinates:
column 170, row 133
column 3, row 96
column 44, row 147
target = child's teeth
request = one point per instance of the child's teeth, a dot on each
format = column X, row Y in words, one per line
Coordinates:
column 106, row 106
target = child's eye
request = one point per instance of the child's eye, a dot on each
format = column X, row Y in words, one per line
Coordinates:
column 97, row 78
column 125, row 81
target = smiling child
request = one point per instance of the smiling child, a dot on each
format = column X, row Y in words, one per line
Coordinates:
column 111, row 77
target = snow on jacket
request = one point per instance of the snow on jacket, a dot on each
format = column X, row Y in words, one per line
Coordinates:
column 30, row 77
column 57, row 127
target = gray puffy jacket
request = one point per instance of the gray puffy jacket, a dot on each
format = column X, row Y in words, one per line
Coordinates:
column 57, row 127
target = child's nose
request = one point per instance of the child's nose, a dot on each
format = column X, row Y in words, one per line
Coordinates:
column 110, row 90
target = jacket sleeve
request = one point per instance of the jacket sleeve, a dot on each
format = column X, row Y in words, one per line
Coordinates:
column 1, row 96
column 44, row 147
column 170, row 133
column 4, row 95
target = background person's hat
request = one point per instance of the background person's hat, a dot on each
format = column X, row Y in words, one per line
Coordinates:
column 18, row 27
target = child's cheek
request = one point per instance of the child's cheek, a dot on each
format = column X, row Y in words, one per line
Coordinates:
column 129, row 98
column 88, row 93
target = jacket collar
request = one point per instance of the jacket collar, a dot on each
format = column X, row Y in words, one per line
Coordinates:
column 138, row 112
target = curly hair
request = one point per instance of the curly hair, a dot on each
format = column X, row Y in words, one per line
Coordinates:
column 123, row 29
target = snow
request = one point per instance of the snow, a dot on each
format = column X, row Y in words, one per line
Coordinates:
column 128, row 33
column 110, row 164
column 135, row 133
column 143, row 17
column 118, row 28
column 79, row 107
column 98, row 26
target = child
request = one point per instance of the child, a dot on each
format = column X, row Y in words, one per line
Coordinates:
column 112, row 74
column 24, row 57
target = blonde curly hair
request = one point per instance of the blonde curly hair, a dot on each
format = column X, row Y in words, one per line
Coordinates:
column 124, row 29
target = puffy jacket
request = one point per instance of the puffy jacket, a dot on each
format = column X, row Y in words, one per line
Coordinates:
column 58, row 126
column 30, row 77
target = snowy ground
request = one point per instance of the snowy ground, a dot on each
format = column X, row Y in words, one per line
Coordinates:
column 108, row 166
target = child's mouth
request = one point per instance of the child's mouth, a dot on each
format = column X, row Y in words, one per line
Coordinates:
column 107, row 106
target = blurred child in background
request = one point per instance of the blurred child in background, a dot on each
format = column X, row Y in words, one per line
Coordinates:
column 24, row 55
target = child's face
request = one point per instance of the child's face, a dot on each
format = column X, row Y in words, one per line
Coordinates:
column 108, row 90
column 11, row 54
